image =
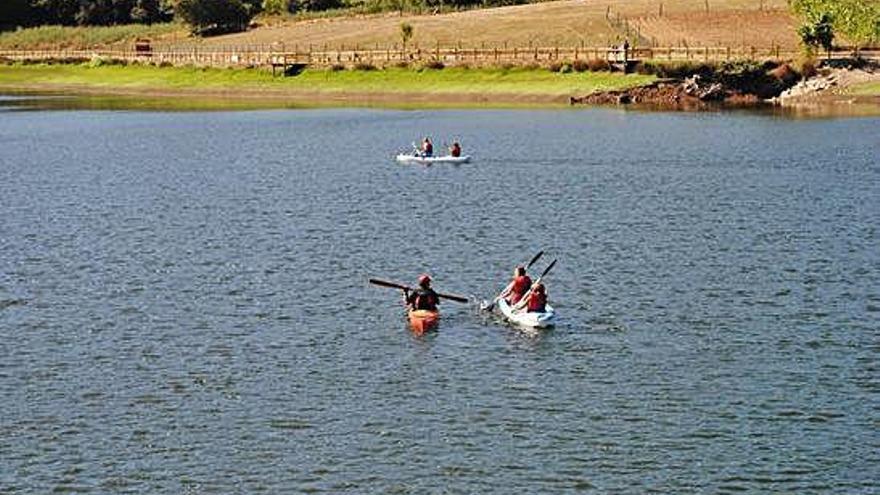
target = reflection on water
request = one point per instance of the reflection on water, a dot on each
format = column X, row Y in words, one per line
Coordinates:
column 838, row 107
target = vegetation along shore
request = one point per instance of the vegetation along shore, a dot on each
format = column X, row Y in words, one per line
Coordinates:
column 672, row 54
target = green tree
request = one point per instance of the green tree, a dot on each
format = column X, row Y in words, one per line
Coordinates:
column 276, row 7
column 856, row 20
column 817, row 32
column 207, row 17
column 14, row 13
column 406, row 33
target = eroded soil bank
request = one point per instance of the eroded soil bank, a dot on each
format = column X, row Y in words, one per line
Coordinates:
column 747, row 85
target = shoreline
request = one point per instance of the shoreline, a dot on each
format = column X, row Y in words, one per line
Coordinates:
column 396, row 86
column 295, row 97
column 190, row 88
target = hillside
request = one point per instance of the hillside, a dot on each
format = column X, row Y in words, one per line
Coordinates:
column 564, row 23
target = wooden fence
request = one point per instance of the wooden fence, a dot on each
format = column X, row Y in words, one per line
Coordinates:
column 266, row 56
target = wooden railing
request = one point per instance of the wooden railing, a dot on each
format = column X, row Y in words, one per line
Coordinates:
column 258, row 56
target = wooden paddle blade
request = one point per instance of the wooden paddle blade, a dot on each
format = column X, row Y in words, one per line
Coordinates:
column 385, row 283
column 535, row 258
column 394, row 285
column 547, row 270
column 455, row 298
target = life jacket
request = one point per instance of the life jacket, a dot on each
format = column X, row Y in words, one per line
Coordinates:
column 424, row 299
column 537, row 302
column 456, row 151
column 428, row 148
column 521, row 285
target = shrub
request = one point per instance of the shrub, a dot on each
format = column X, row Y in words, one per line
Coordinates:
column 365, row 66
column 597, row 65
column 580, row 65
column 337, row 67
column 808, row 68
column 276, row 7
column 645, row 68
column 554, row 66
column 434, row 65
column 681, row 70
column 97, row 61
column 401, row 65
column 785, row 74
column 566, row 69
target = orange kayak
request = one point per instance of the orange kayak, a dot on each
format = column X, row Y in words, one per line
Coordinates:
column 422, row 320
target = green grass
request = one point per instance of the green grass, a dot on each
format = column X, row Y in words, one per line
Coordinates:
column 389, row 81
column 866, row 89
column 59, row 37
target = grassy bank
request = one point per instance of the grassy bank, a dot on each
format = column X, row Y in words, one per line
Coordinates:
column 67, row 37
column 489, row 84
column 866, row 89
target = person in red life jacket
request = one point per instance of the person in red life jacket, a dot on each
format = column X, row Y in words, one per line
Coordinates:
column 518, row 287
column 537, row 299
column 455, row 150
column 427, row 147
column 423, row 297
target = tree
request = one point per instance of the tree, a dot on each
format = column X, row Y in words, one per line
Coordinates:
column 817, row 32
column 406, row 33
column 14, row 13
column 150, row 11
column 856, row 20
column 276, row 7
column 207, row 17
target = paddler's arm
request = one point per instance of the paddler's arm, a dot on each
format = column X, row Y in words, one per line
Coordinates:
column 506, row 291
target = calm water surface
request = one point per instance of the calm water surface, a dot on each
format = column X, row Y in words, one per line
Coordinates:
column 184, row 305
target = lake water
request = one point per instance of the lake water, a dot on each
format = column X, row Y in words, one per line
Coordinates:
column 184, row 305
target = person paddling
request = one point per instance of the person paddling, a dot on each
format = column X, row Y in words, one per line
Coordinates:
column 518, row 287
column 423, row 296
column 455, row 150
column 427, row 147
column 537, row 299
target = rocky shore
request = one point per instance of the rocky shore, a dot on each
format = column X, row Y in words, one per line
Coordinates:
column 740, row 85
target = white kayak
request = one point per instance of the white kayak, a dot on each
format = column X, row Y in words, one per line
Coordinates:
column 430, row 160
column 528, row 318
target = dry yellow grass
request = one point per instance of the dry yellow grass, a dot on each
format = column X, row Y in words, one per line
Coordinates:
column 563, row 23
column 734, row 29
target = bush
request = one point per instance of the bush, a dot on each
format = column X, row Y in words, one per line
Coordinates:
column 580, row 66
column 598, row 65
column 681, row 70
column 554, row 66
column 785, row 74
column 276, row 7
column 645, row 68
column 434, row 65
column 808, row 68
column 365, row 66
column 315, row 5
column 566, row 69
column 337, row 67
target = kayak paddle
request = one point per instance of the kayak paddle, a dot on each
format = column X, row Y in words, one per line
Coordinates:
column 525, row 297
column 394, row 285
column 487, row 306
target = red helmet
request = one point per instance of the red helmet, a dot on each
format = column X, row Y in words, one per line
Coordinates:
column 424, row 279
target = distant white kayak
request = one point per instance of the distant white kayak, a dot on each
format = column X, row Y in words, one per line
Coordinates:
column 547, row 318
column 430, row 160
